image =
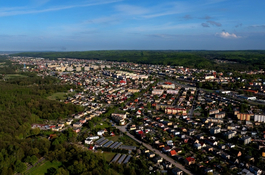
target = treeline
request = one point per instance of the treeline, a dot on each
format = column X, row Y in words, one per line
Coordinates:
column 175, row 58
column 245, row 60
column 22, row 103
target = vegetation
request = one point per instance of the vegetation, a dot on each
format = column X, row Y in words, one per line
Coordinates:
column 45, row 168
column 218, row 60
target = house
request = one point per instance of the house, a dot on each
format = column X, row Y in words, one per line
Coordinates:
column 230, row 134
column 246, row 140
column 234, row 160
column 189, row 161
column 230, row 145
column 172, row 153
column 197, row 145
column 255, row 170
column 100, row 133
column 208, row 148
column 157, row 159
column 249, row 158
column 69, row 121
column 207, row 170
column 225, row 155
column 77, row 130
column 77, row 125
column 82, row 121
column 40, row 126
column 88, row 141
column 150, row 155
column 166, row 165
column 166, row 149
column 191, row 132
column 215, row 130
column 93, row 137
column 211, row 142
column 177, row 171
column 219, row 115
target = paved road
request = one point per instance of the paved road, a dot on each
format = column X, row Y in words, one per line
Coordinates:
column 164, row 156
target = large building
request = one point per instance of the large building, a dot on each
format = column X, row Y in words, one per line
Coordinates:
column 158, row 92
column 168, row 85
column 243, row 116
column 172, row 91
column 175, row 111
column 259, row 118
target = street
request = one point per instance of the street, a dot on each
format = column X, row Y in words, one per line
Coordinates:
column 164, row 156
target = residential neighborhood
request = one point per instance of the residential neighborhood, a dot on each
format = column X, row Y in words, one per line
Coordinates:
column 191, row 117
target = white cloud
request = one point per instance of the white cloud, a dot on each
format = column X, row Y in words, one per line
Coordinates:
column 228, row 35
column 13, row 12
column 131, row 9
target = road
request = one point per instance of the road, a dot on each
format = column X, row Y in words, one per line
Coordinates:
column 164, row 156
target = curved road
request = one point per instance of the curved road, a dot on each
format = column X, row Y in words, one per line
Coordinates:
column 164, row 156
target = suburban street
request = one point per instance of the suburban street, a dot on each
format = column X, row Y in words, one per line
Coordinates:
column 164, row 156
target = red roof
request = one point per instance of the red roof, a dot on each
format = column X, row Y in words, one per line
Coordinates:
column 140, row 132
column 190, row 159
column 173, row 152
column 122, row 82
column 168, row 83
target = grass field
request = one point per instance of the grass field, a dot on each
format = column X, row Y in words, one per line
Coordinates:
column 10, row 76
column 42, row 169
column 103, row 126
column 108, row 156
column 58, row 96
column 113, row 138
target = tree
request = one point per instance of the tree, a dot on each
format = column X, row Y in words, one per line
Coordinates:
column 62, row 171
column 35, row 131
column 20, row 166
column 51, row 171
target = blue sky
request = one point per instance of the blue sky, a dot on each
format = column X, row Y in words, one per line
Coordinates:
column 67, row 25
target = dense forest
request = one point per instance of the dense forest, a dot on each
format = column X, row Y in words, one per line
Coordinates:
column 238, row 60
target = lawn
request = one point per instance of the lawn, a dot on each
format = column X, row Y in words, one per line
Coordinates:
column 58, row 96
column 102, row 125
column 42, row 169
column 126, row 140
column 113, row 138
column 108, row 156
column 10, row 76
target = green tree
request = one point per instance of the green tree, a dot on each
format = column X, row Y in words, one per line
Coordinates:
column 20, row 166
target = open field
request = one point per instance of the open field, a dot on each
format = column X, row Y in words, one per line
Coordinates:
column 58, row 96
column 42, row 169
column 113, row 138
column 10, row 76
column 109, row 156
column 103, row 126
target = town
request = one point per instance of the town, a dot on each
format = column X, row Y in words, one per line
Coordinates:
column 180, row 120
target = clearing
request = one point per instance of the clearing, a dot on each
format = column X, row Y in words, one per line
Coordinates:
column 58, row 96
column 42, row 169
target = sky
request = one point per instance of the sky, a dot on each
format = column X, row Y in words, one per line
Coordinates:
column 80, row 25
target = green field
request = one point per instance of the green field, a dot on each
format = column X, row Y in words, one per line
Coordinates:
column 10, row 76
column 103, row 126
column 42, row 169
column 108, row 156
column 113, row 138
column 58, row 96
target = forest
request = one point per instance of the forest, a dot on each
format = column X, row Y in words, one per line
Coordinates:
column 235, row 60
